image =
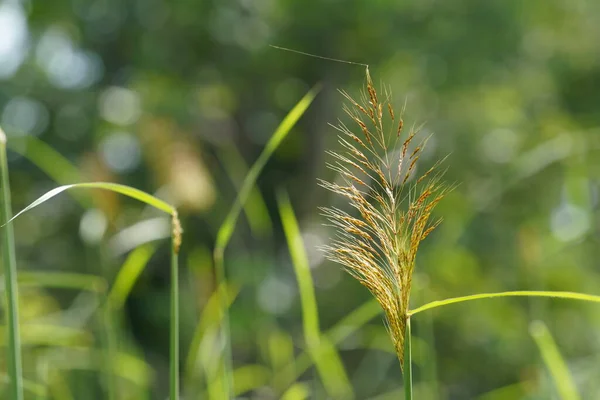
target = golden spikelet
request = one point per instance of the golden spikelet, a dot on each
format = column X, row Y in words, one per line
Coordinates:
column 377, row 243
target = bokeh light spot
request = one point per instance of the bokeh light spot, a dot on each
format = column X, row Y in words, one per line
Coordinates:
column 121, row 152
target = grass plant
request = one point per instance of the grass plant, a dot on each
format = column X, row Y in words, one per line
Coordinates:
column 392, row 205
column 175, row 246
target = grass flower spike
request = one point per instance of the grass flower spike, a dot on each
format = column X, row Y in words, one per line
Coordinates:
column 377, row 242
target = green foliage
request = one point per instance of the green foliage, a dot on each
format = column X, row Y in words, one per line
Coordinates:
column 179, row 99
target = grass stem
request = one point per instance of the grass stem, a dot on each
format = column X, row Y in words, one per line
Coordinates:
column 10, row 281
column 407, row 368
column 174, row 339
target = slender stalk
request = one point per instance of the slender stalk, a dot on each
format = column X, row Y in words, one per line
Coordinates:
column 174, row 345
column 407, row 368
column 174, row 326
column 10, row 281
column 524, row 293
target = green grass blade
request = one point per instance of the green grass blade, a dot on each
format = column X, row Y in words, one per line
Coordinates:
column 512, row 391
column 325, row 356
column 524, row 293
column 249, row 377
column 228, row 226
column 128, row 275
column 40, row 334
column 354, row 320
column 407, row 368
column 554, row 361
column 121, row 288
column 310, row 316
column 124, row 365
column 10, row 281
column 62, row 280
column 211, row 316
column 29, row 386
column 298, row 391
column 114, row 187
column 226, row 229
column 255, row 208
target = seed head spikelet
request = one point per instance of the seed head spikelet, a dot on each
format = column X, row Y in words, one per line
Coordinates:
column 377, row 241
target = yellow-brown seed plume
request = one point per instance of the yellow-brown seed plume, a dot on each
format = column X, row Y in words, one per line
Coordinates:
column 377, row 242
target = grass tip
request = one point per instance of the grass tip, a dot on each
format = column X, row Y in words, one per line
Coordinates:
column 177, row 232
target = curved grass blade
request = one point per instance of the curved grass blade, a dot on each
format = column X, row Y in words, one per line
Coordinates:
column 115, row 187
column 228, row 226
column 128, row 275
column 524, row 293
column 554, row 361
column 15, row 369
column 324, row 354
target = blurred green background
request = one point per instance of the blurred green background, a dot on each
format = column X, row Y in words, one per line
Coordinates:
column 179, row 98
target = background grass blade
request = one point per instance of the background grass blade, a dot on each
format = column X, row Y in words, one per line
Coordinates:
column 62, row 280
column 124, row 281
column 211, row 317
column 10, row 280
column 524, row 293
column 255, row 208
column 298, row 391
column 340, row 331
column 226, row 229
column 325, row 356
column 228, row 226
column 407, row 370
column 128, row 275
column 554, row 361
